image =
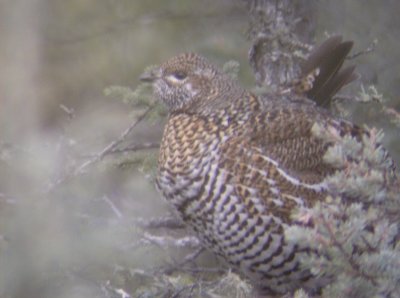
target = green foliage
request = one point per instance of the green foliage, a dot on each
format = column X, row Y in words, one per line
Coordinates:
column 366, row 164
column 231, row 68
column 141, row 96
column 355, row 233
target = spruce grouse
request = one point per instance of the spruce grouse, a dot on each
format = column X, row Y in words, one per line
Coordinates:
column 234, row 165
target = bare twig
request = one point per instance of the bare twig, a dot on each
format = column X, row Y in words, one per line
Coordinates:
column 100, row 155
column 205, row 270
column 114, row 208
column 160, row 222
column 393, row 115
column 165, row 241
column 369, row 49
column 69, row 111
column 189, row 287
column 113, row 144
column 190, row 258
column 4, row 198
column 135, row 147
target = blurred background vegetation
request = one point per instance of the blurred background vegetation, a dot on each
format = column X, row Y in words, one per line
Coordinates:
column 65, row 235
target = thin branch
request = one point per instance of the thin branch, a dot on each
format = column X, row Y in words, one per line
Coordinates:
column 160, row 222
column 369, row 49
column 100, row 155
column 166, row 241
column 69, row 111
column 111, row 146
column 135, row 147
column 204, row 270
column 4, row 198
column 114, row 208
column 190, row 258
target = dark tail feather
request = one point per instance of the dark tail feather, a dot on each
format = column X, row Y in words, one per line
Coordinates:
column 318, row 55
column 329, row 58
column 340, row 79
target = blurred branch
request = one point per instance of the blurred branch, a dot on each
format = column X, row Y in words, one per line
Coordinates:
column 7, row 199
column 135, row 147
column 111, row 146
column 189, row 258
column 114, row 208
column 69, row 111
column 167, row 241
column 160, row 222
column 369, row 49
column 393, row 115
column 100, row 155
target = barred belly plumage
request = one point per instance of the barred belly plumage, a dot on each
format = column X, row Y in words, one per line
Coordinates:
column 242, row 232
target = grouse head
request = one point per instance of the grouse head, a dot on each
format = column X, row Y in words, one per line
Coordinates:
column 188, row 82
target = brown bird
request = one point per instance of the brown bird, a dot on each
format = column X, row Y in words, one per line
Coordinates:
column 235, row 165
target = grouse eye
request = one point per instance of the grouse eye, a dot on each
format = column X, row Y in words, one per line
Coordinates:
column 180, row 75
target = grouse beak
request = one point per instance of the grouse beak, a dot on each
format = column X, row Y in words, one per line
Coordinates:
column 151, row 75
